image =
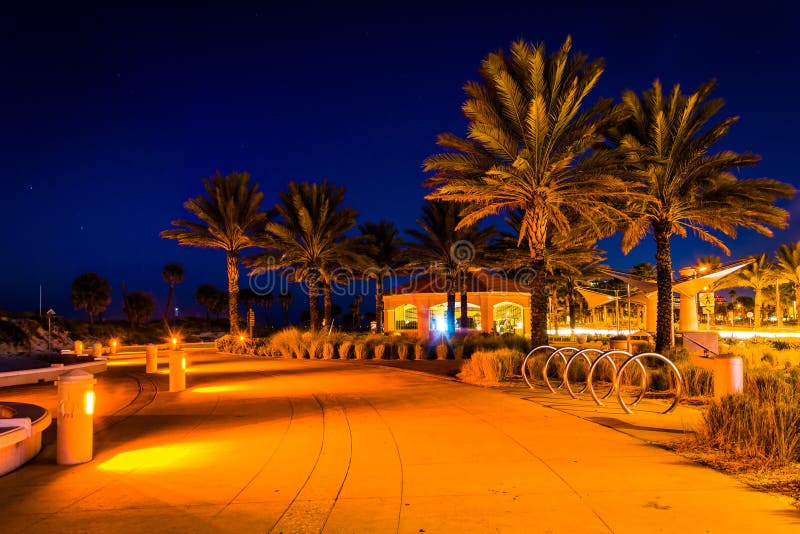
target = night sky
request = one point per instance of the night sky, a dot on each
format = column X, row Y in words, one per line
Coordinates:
column 111, row 118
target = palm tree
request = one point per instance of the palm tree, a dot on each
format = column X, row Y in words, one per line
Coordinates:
column 383, row 247
column 92, row 293
column 308, row 238
column 666, row 144
column 787, row 258
column 228, row 214
column 444, row 247
column 529, row 148
column 760, row 274
column 204, row 296
column 643, row 271
column 569, row 258
column 266, row 300
column 172, row 274
column 247, row 297
column 286, row 299
column 139, row 308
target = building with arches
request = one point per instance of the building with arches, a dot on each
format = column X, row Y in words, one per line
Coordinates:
column 495, row 304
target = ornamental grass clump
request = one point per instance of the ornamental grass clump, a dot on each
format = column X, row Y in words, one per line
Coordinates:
column 490, row 367
column 760, row 425
column 441, row 351
column 419, row 352
column 287, row 343
column 344, row 350
column 378, row 351
column 328, row 351
column 361, row 351
column 402, row 350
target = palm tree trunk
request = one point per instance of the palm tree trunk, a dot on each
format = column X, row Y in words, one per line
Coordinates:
column 778, row 307
column 664, row 281
column 327, row 302
column 757, row 298
column 571, row 306
column 91, row 318
column 169, row 304
column 379, row 303
column 313, row 302
column 451, row 302
column 538, row 303
column 462, row 282
column 233, row 292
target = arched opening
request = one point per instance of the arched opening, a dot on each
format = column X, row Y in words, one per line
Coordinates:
column 439, row 317
column 507, row 318
column 405, row 317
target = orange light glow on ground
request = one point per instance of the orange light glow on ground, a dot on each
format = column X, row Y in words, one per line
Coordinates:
column 165, row 458
column 221, row 389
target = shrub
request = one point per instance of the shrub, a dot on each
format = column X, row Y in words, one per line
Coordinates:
column 419, row 352
column 328, row 350
column 312, row 345
column 490, row 367
column 288, row 343
column 344, row 350
column 697, row 381
column 657, row 380
column 441, row 351
column 761, row 424
column 360, row 350
column 402, row 350
column 378, row 351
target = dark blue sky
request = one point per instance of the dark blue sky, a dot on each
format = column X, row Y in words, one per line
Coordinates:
column 111, row 117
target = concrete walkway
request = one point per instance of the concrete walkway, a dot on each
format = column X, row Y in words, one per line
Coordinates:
column 289, row 446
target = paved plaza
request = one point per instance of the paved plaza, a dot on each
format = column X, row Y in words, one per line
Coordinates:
column 262, row 445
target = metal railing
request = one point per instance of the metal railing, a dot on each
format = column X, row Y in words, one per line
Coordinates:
column 592, row 358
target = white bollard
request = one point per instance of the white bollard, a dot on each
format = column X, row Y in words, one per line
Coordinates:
column 728, row 376
column 97, row 350
column 79, row 347
column 74, row 434
column 177, row 370
column 151, row 359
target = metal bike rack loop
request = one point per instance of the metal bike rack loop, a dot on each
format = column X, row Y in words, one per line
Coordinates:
column 637, row 359
column 557, row 352
column 525, row 362
column 608, row 355
column 585, row 354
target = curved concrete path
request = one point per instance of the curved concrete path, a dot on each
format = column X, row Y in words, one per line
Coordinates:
column 309, row 446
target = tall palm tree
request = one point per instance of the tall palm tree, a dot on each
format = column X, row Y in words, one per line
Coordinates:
column 172, row 273
column 666, row 142
column 443, row 247
column 787, row 258
column 228, row 215
column 286, row 297
column 266, row 300
column 759, row 275
column 383, row 247
column 569, row 258
column 308, row 238
column 529, row 147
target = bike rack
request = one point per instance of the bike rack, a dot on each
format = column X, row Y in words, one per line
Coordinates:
column 600, row 356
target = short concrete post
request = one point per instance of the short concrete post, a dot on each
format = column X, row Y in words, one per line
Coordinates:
column 177, row 370
column 97, row 350
column 151, row 359
column 113, row 349
column 79, row 347
column 74, row 434
column 728, row 376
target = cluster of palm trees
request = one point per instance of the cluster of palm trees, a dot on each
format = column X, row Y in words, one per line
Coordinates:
column 564, row 172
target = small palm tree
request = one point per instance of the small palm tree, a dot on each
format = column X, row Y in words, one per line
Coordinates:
column 444, row 247
column 759, row 275
column 286, row 299
column 383, row 246
column 308, row 238
column 787, row 258
column 228, row 215
column 530, row 148
column 666, row 143
column 172, row 273
column 92, row 293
